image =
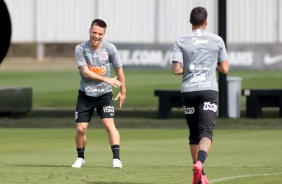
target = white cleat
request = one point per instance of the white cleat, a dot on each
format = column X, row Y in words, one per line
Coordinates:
column 117, row 163
column 79, row 162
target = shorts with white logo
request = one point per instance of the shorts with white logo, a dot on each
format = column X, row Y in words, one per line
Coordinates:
column 86, row 105
column 200, row 109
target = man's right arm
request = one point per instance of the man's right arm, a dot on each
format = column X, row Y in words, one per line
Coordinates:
column 223, row 67
column 84, row 70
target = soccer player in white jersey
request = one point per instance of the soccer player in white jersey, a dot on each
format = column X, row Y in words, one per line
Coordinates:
column 94, row 59
column 197, row 56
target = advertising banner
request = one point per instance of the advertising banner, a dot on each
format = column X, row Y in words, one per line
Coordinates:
column 241, row 56
column 261, row 57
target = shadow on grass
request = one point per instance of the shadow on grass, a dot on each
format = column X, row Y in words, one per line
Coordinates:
column 57, row 118
column 144, row 113
column 118, row 113
column 61, row 113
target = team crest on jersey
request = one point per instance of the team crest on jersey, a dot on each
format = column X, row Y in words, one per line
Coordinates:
column 103, row 55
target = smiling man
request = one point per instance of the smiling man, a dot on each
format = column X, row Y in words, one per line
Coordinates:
column 94, row 59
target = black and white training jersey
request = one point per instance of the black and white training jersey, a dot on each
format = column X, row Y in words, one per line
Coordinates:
column 100, row 62
column 199, row 52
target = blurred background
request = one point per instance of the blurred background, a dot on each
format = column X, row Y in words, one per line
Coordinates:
column 43, row 35
column 39, row 82
column 144, row 30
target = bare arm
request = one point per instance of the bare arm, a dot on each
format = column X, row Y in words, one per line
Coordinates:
column 177, row 68
column 122, row 94
column 84, row 70
column 223, row 67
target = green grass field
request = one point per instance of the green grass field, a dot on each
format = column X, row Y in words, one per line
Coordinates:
column 150, row 156
column 39, row 148
column 59, row 88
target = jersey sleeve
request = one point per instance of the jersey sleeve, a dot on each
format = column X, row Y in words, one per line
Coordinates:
column 177, row 53
column 114, row 56
column 222, row 55
column 80, row 60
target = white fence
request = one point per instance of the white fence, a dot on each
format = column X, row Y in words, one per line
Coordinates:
column 140, row 21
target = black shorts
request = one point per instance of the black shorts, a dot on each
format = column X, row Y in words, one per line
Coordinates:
column 86, row 105
column 200, row 109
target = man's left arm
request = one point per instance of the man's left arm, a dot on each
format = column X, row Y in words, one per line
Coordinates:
column 177, row 68
column 122, row 94
column 177, row 60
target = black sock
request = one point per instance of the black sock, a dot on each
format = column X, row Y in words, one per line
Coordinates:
column 80, row 152
column 203, row 172
column 202, row 155
column 115, row 150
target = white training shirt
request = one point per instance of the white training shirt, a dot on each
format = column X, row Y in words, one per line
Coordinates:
column 100, row 61
column 199, row 52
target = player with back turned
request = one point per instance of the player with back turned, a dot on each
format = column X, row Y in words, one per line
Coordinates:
column 197, row 56
column 94, row 59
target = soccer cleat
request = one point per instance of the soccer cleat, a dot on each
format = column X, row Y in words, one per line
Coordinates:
column 197, row 169
column 205, row 179
column 78, row 163
column 117, row 163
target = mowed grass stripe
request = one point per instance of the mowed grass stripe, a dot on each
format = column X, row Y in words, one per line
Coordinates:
column 149, row 156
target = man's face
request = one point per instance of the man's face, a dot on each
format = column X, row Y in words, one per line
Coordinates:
column 96, row 36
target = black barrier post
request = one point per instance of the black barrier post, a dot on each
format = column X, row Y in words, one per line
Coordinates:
column 222, row 78
column 5, row 31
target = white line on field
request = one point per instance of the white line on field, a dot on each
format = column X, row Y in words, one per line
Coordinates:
column 241, row 176
column 243, row 165
column 151, row 164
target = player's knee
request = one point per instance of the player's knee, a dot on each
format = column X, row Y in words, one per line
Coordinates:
column 109, row 124
column 81, row 130
column 110, row 128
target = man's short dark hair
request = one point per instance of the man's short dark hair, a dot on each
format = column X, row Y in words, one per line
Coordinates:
column 198, row 16
column 99, row 23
